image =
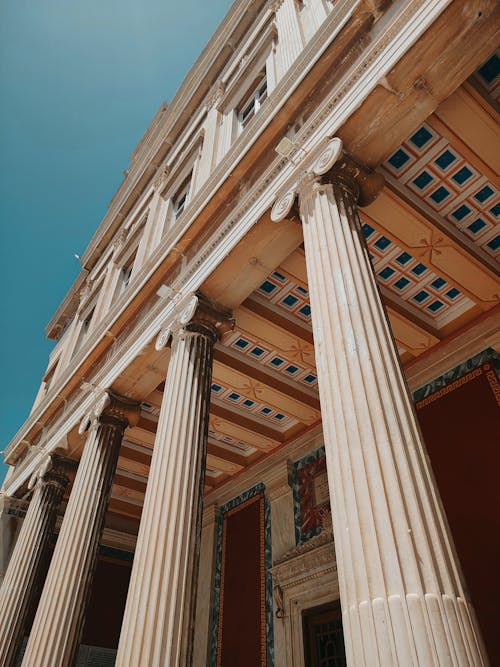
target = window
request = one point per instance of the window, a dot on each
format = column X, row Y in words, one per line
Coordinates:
column 84, row 330
column 253, row 103
column 181, row 199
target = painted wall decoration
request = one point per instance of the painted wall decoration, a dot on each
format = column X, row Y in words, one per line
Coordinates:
column 242, row 632
column 311, row 500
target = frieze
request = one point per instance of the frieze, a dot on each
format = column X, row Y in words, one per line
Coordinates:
column 307, row 561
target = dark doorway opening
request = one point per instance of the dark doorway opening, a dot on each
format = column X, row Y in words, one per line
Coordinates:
column 323, row 636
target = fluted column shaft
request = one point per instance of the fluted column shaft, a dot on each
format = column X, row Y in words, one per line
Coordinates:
column 402, row 597
column 58, row 623
column 26, row 562
column 157, row 624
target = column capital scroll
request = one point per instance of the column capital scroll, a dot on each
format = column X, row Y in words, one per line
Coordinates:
column 335, row 167
column 114, row 406
column 196, row 313
column 52, row 470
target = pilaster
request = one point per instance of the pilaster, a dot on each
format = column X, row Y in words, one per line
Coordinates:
column 58, row 623
column 290, row 42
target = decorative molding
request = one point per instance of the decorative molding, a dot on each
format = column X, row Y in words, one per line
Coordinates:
column 474, row 363
column 306, row 562
column 52, row 470
column 216, row 94
column 112, row 405
column 195, row 313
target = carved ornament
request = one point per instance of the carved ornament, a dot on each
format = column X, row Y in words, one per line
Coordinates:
column 196, row 313
column 113, row 405
column 333, row 165
column 51, row 470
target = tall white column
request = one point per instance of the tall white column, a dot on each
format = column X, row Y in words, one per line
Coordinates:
column 58, row 623
column 289, row 33
column 402, row 596
column 157, row 624
column 25, row 565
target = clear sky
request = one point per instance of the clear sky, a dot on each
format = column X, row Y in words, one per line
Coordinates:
column 79, row 84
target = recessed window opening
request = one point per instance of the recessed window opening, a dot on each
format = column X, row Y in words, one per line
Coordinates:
column 253, row 103
column 181, row 198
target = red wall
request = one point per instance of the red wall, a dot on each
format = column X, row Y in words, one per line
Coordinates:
column 461, row 428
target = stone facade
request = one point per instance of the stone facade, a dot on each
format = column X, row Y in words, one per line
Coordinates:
column 306, row 233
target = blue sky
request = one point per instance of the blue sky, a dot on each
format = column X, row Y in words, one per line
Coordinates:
column 80, row 82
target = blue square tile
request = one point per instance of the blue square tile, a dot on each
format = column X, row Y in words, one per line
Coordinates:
column 268, row 287
column 279, row 416
column 477, row 225
column 495, row 210
column 453, row 293
column 305, row 310
column 435, row 306
column 290, row 300
column 241, row 343
column 494, row 244
column 421, row 296
column 266, row 411
column 421, row 137
column 367, row 230
column 461, row 212
column 419, row 269
column 462, row 175
column 399, row 158
column 291, row 369
column 386, row 273
column 216, row 387
column 445, row 159
column 277, row 362
column 234, row 396
column 491, row 69
column 382, row 243
column 402, row 283
column 310, row 378
column 440, row 194
column 484, row 194
column 257, row 351
column 279, row 276
column 438, row 283
column 404, row 258
column 301, row 290
column 423, row 180
column 248, row 403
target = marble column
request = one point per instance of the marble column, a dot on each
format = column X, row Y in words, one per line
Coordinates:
column 58, row 623
column 402, row 596
column 27, row 560
column 157, row 624
column 12, row 513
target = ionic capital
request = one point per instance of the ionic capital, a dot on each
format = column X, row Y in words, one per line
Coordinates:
column 52, row 470
column 332, row 167
column 215, row 95
column 274, row 5
column 196, row 314
column 162, row 173
column 113, row 407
